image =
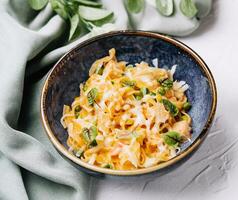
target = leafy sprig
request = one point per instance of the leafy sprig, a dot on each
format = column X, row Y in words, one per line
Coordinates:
column 80, row 14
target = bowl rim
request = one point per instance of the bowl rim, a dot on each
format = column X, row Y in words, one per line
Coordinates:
column 159, row 166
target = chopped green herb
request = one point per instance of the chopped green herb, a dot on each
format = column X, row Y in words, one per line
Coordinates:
column 129, row 122
column 93, row 132
column 112, row 82
column 92, row 96
column 167, row 84
column 161, row 91
column 184, row 117
column 128, row 83
column 108, row 166
column 77, row 108
column 172, row 138
column 138, row 96
column 144, row 91
column 152, row 94
column 186, row 106
column 85, row 87
column 160, row 80
column 79, row 153
column 93, row 143
column 99, row 71
column 94, row 123
column 76, row 111
column 129, row 66
column 170, row 107
column 90, row 134
column 86, row 134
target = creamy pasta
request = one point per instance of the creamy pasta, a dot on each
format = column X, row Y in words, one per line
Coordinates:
column 127, row 116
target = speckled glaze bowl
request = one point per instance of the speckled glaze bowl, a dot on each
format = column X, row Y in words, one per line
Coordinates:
column 62, row 86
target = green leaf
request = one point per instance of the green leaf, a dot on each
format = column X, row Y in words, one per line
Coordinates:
column 92, row 95
column 108, row 19
column 188, row 8
column 89, row 3
column 165, row 7
column 135, row 6
column 37, row 4
column 60, row 8
column 172, row 138
column 96, row 16
column 72, row 7
column 74, row 21
column 170, row 107
column 93, row 14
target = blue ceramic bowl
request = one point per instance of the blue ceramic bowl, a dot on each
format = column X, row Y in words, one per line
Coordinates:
column 62, row 86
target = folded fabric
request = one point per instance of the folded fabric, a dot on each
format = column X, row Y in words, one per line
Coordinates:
column 29, row 43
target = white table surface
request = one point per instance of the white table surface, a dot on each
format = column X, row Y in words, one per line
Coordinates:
column 212, row 172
